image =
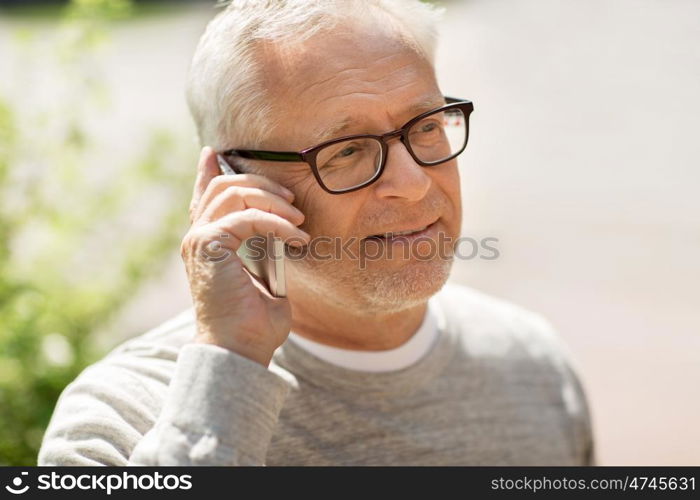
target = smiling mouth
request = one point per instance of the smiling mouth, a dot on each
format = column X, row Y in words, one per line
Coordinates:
column 395, row 234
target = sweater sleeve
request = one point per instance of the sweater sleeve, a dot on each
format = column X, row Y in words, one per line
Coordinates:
column 218, row 408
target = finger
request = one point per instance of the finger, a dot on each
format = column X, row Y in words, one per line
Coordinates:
column 221, row 182
column 207, row 170
column 228, row 233
column 236, row 198
column 244, row 224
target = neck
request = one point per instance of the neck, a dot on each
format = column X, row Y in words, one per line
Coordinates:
column 329, row 324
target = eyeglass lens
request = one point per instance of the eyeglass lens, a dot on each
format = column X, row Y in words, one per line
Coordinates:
column 435, row 138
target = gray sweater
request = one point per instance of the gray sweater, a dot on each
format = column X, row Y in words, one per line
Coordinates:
column 494, row 389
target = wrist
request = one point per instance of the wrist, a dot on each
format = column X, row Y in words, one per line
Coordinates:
column 256, row 353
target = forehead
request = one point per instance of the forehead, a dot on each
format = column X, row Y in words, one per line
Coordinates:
column 352, row 77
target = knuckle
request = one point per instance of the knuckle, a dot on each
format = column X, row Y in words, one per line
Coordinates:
column 209, row 244
column 256, row 214
column 191, row 241
column 218, row 182
column 235, row 191
column 185, row 246
column 235, row 217
column 244, row 178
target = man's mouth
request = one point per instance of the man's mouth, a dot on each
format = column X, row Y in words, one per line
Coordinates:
column 407, row 234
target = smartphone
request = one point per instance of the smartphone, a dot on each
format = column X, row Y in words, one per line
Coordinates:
column 262, row 257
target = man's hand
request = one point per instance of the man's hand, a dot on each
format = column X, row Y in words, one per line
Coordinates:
column 233, row 310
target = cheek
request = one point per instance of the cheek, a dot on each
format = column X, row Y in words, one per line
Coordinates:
column 446, row 177
column 448, row 182
column 327, row 214
column 316, row 205
column 452, row 174
column 307, row 194
column 306, row 199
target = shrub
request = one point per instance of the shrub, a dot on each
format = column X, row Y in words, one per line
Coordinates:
column 70, row 253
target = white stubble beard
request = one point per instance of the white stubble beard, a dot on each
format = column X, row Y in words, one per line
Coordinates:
column 371, row 290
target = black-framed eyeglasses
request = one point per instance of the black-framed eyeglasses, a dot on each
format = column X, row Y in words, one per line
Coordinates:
column 352, row 162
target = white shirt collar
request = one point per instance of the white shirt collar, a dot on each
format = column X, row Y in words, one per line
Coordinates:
column 380, row 361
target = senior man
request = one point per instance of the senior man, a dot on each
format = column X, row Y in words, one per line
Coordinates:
column 331, row 114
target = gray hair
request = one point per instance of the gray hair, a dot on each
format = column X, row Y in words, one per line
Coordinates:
column 223, row 88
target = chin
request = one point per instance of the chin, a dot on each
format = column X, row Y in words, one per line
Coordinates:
column 411, row 285
column 379, row 288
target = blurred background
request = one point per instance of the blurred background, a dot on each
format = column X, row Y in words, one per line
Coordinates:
column 582, row 161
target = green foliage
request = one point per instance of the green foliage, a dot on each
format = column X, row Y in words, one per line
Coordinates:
column 69, row 258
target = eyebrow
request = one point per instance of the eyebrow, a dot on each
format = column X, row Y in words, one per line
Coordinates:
column 343, row 124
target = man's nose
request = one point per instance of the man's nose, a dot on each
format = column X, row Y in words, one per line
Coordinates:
column 402, row 176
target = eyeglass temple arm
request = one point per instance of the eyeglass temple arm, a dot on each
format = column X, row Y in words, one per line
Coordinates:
column 264, row 155
column 455, row 100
